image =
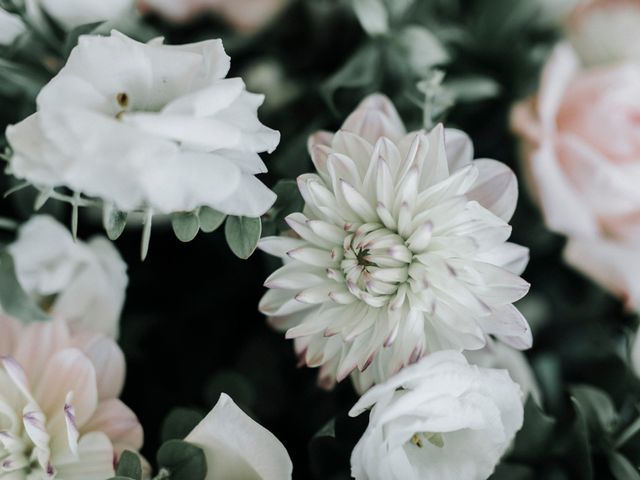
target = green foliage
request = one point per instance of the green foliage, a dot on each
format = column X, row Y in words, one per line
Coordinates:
column 179, row 423
column 210, row 219
column 13, row 299
column 114, row 221
column 129, row 466
column 182, row 460
column 185, row 225
column 242, row 234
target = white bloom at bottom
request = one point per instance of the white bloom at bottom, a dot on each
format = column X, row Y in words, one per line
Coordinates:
column 439, row 419
column 84, row 283
column 237, row 448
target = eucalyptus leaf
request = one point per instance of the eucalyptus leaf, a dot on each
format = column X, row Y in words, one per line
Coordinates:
column 183, row 460
column 243, row 234
column 129, row 466
column 13, row 298
column 622, row 468
column 210, row 219
column 422, row 49
column 598, row 408
column 185, row 225
column 114, row 221
column 372, row 15
column 360, row 71
column 473, row 88
column 179, row 423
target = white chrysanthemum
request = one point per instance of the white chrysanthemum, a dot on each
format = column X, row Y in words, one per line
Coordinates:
column 84, row 283
column 147, row 126
column 440, row 419
column 401, row 250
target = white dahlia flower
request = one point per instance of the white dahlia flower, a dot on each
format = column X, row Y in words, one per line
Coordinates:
column 440, row 419
column 84, row 283
column 60, row 416
column 401, row 250
column 147, row 127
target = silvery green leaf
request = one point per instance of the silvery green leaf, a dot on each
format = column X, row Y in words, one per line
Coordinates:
column 597, row 407
column 473, row 88
column 422, row 49
column 360, row 71
column 210, row 219
column 113, row 221
column 242, row 234
column 13, row 299
column 42, row 198
column 185, row 225
column 372, row 15
column 397, row 8
column 183, row 460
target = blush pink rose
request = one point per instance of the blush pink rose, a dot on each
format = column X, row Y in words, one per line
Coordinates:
column 582, row 149
column 243, row 15
column 60, row 415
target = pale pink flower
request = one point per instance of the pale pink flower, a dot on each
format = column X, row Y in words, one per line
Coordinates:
column 60, row 416
column 582, row 148
column 243, row 15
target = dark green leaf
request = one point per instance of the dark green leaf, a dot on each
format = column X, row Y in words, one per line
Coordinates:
column 532, row 440
column 597, row 407
column 210, row 219
column 185, row 225
column 622, row 468
column 242, row 234
column 183, row 460
column 129, row 466
column 579, row 446
column 13, row 298
column 179, row 423
column 507, row 471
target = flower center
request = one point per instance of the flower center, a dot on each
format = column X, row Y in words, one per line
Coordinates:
column 434, row 439
column 376, row 262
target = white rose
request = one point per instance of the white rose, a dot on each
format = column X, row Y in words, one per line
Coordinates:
column 86, row 281
column 237, row 448
column 439, row 419
column 148, row 126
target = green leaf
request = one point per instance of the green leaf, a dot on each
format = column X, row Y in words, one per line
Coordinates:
column 622, row 468
column 183, row 460
column 533, row 439
column 129, row 466
column 179, row 423
column 243, row 234
column 597, row 407
column 507, row 471
column 185, row 225
column 579, row 447
column 210, row 219
column 473, row 88
column 114, row 221
column 422, row 49
column 360, row 71
column 372, row 15
column 13, row 298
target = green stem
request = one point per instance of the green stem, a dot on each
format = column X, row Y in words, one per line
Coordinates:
column 628, row 433
column 163, row 474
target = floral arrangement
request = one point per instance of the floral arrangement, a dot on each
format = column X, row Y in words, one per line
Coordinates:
column 436, row 201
